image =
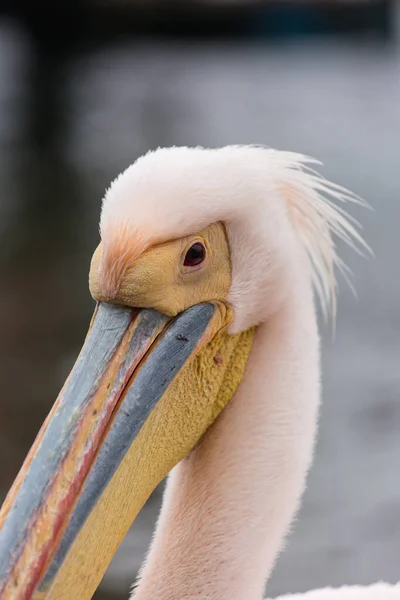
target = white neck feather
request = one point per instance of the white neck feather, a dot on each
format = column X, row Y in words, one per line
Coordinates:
column 229, row 504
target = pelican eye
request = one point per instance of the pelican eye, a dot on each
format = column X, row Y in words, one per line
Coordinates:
column 195, row 255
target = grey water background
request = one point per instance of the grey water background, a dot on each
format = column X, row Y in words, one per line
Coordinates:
column 70, row 123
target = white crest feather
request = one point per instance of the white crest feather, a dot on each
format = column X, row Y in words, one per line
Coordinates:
column 317, row 218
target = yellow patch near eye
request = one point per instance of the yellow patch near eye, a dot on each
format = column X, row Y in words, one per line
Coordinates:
column 156, row 277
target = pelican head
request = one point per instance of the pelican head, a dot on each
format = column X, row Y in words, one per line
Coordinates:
column 200, row 250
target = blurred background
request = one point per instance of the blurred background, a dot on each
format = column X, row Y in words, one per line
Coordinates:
column 85, row 88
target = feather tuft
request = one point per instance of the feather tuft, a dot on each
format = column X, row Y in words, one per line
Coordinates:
column 317, row 218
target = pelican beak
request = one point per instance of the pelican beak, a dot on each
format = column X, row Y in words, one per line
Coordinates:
column 131, row 408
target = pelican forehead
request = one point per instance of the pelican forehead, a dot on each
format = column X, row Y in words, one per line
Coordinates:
column 121, row 245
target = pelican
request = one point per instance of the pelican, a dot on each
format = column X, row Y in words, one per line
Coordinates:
column 201, row 361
